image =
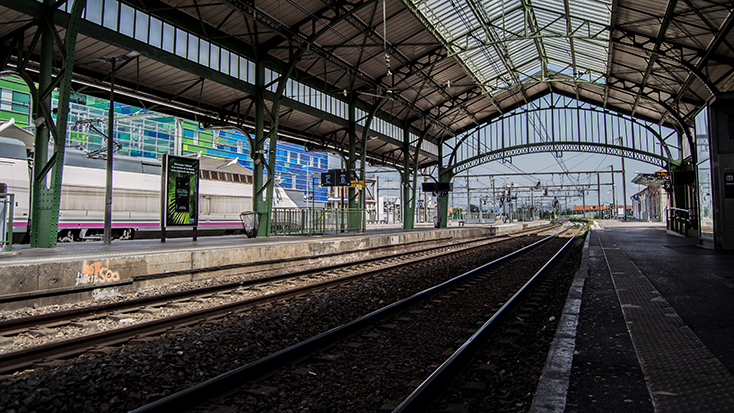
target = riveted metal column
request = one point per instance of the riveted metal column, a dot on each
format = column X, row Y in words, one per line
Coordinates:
column 258, row 205
column 680, row 191
column 41, row 196
column 356, row 224
column 356, row 220
column 444, row 175
column 408, row 195
column 45, row 199
column 352, row 223
column 362, row 177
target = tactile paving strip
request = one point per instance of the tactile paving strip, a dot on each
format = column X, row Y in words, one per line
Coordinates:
column 683, row 375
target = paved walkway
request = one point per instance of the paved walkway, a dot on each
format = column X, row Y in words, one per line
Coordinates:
column 649, row 326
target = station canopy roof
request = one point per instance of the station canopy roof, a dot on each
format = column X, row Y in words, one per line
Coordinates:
column 656, row 179
column 441, row 67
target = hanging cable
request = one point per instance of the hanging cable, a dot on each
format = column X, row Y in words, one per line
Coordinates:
column 384, row 37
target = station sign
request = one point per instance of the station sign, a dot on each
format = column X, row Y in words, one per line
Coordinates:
column 441, row 187
column 327, row 179
column 336, row 177
column 357, row 184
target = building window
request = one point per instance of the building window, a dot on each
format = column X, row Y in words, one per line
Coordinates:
column 21, row 102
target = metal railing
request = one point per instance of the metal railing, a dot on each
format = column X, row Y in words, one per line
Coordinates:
column 679, row 220
column 313, row 221
column 7, row 201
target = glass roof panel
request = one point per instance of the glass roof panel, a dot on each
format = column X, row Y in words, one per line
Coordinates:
column 504, row 41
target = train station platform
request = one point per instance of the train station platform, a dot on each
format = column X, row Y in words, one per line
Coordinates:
column 86, row 270
column 648, row 327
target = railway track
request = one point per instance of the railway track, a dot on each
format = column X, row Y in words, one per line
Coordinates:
column 57, row 296
column 54, row 319
column 240, row 295
column 343, row 349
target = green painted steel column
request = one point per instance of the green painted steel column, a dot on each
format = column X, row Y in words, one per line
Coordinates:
column 352, row 205
column 444, row 175
column 258, row 205
column 358, row 219
column 45, row 200
column 41, row 201
column 408, row 200
column 680, row 192
column 362, row 219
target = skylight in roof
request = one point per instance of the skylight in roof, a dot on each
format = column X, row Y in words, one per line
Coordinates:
column 502, row 42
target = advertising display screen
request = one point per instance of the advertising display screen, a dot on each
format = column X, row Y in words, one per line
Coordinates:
column 181, row 191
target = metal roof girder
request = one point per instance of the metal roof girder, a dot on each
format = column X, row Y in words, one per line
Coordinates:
column 395, row 52
column 510, row 68
column 253, row 13
column 703, row 18
column 447, row 44
column 618, row 79
column 698, row 73
column 539, row 44
column 633, row 43
column 667, row 18
column 158, row 55
column 718, row 39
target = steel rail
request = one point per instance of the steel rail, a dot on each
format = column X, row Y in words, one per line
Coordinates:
column 18, row 360
column 419, row 398
column 87, row 287
column 20, row 325
column 187, row 398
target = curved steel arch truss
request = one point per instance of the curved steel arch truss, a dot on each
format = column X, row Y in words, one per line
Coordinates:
column 559, row 124
column 561, row 147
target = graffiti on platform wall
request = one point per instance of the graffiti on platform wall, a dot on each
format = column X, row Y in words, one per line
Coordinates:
column 94, row 272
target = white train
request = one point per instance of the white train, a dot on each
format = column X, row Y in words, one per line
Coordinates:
column 225, row 191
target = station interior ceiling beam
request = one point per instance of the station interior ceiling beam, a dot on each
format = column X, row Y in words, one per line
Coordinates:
column 445, row 68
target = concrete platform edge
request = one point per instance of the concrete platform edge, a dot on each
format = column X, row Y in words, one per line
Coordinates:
column 94, row 271
column 550, row 395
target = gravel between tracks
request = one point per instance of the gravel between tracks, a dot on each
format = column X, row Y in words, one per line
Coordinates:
column 372, row 369
column 41, row 336
column 127, row 377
